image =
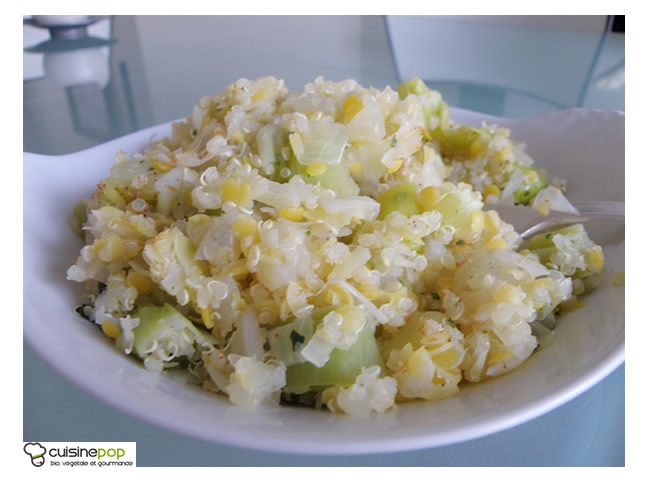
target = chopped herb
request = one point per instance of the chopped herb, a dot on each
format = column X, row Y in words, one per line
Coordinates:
column 393, row 141
column 460, row 242
column 485, row 331
column 308, row 232
column 435, row 296
column 141, row 161
column 548, row 236
column 124, row 268
column 150, row 169
column 450, row 322
column 214, row 212
column 194, row 132
column 296, row 339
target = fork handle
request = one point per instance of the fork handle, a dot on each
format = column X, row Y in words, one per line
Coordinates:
column 604, row 208
column 589, row 210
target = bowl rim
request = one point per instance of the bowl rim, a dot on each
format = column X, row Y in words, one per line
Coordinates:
column 496, row 422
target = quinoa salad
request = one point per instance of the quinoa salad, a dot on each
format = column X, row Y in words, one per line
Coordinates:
column 327, row 248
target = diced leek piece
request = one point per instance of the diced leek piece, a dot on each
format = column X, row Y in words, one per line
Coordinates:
column 80, row 212
column 410, row 333
column 248, row 338
column 288, row 340
column 269, row 140
column 432, row 103
column 368, row 125
column 545, row 240
column 456, row 208
column 463, row 141
column 172, row 188
column 545, row 253
column 402, row 198
column 534, row 182
column 324, row 142
column 342, row 368
column 155, row 321
column 185, row 252
column 543, row 334
column 412, row 86
column 336, row 177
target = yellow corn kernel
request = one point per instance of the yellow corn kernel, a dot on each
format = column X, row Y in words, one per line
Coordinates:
column 618, row 279
column 206, row 317
column 244, row 226
column 141, row 283
column 491, row 190
column 597, row 259
column 429, row 197
column 316, row 169
column 503, row 154
column 351, row 107
column 110, row 329
column 476, row 148
column 398, row 164
column 355, row 167
column 161, row 166
column 524, row 252
column 497, row 242
column 292, row 214
column 238, row 137
column 245, row 194
column 230, row 191
column 507, row 293
column 478, row 221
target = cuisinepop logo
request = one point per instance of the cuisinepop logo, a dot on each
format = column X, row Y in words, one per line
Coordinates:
column 94, row 455
column 37, row 453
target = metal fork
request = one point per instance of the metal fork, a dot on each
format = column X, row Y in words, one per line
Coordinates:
column 528, row 222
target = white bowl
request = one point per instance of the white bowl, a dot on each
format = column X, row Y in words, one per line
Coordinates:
column 584, row 146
